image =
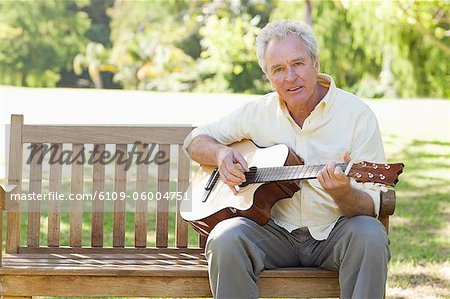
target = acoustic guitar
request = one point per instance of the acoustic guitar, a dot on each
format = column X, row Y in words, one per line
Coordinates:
column 274, row 175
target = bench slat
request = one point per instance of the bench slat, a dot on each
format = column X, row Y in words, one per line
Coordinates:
column 202, row 241
column 107, row 250
column 167, row 263
column 98, row 185
column 14, row 178
column 76, row 205
column 54, row 206
column 34, row 206
column 173, row 255
column 183, row 183
column 30, row 263
column 162, row 205
column 104, row 134
column 141, row 214
column 122, row 271
column 120, row 183
column 175, row 263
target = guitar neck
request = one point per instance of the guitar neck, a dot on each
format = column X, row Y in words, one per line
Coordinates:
column 285, row 173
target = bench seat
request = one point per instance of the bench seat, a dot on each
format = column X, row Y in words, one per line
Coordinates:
column 139, row 272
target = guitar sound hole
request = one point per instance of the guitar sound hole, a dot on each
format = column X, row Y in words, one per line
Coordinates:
column 250, row 177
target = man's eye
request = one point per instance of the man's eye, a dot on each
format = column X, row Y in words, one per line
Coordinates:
column 278, row 69
column 298, row 63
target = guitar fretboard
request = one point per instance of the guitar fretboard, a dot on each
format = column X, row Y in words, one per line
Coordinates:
column 285, row 173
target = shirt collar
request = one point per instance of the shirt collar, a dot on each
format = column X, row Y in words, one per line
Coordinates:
column 327, row 81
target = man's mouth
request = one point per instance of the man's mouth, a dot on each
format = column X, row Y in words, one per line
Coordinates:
column 294, row 88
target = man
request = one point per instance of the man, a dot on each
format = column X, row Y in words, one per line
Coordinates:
column 330, row 223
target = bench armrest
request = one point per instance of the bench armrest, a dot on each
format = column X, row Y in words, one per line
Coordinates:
column 2, row 198
column 387, row 203
column 387, row 207
column 4, row 194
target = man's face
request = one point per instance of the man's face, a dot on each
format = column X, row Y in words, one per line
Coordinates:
column 291, row 71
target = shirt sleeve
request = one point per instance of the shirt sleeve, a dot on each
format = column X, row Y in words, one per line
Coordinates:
column 368, row 146
column 229, row 129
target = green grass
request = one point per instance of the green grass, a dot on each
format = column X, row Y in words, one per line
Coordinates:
column 420, row 227
column 420, row 223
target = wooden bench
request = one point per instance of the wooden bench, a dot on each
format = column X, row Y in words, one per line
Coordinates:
column 148, row 251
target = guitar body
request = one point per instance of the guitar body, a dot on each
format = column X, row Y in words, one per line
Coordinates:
column 204, row 209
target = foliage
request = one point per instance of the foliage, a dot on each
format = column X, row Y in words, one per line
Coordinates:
column 377, row 48
column 39, row 39
column 145, row 36
column 408, row 42
column 228, row 57
column 228, row 60
column 95, row 59
column 373, row 48
column 180, row 45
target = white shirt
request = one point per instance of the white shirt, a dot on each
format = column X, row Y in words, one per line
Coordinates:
column 340, row 122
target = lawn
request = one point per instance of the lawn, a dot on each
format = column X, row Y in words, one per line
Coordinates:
column 416, row 133
column 420, row 230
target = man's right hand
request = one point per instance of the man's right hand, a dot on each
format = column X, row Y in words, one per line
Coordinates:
column 231, row 167
column 206, row 150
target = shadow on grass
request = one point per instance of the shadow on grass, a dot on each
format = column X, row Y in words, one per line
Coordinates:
column 406, row 281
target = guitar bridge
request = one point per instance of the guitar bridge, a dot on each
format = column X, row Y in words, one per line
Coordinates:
column 212, row 180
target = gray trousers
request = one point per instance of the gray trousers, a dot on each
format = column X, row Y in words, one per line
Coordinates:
column 238, row 249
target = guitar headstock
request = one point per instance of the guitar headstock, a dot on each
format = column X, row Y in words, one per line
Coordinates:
column 386, row 174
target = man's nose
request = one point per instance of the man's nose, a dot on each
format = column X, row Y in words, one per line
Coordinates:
column 291, row 75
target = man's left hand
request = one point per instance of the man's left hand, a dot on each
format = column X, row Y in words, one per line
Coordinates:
column 350, row 201
column 334, row 181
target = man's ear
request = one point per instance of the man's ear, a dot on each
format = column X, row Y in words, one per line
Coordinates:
column 317, row 66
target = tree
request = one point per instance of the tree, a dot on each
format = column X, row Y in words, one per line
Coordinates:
column 380, row 48
column 372, row 48
column 39, row 39
column 408, row 42
column 228, row 61
column 96, row 60
column 192, row 33
column 147, row 39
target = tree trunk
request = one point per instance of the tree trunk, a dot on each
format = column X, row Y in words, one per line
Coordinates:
column 308, row 13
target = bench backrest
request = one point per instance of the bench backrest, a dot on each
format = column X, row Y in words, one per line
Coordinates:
column 148, row 215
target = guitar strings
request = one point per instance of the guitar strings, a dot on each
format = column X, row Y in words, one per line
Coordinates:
column 292, row 172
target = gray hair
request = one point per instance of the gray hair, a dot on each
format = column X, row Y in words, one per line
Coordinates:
column 281, row 29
